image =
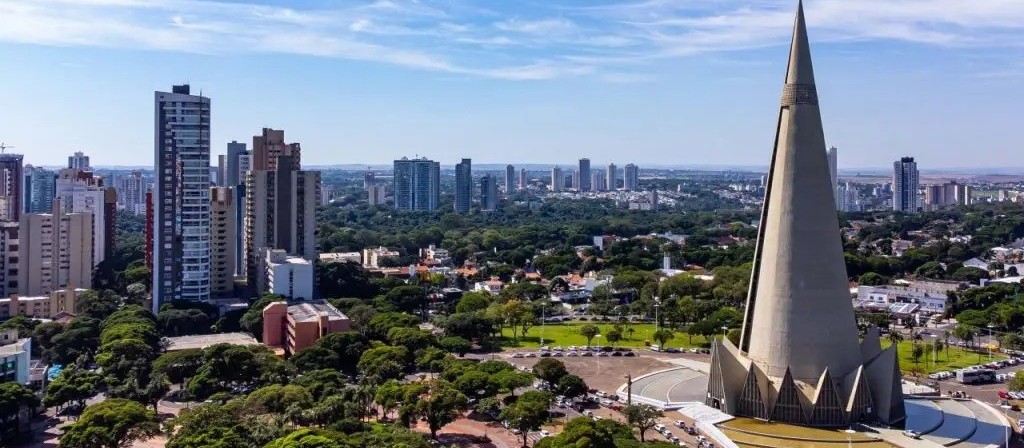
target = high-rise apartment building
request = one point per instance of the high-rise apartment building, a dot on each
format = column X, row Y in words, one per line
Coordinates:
column 575, row 182
column 79, row 161
column 833, row 171
column 631, row 177
column 377, row 194
column 584, row 172
column 79, row 191
column 131, row 194
column 905, row 185
column 510, row 179
column 280, row 213
column 611, row 177
column 11, row 185
column 523, row 180
column 417, row 184
column 463, row 186
column 10, row 262
column 233, row 173
column 40, row 189
column 269, row 146
column 55, row 252
column 557, row 179
column 597, row 181
column 488, row 193
column 181, row 197
column 223, row 241
column 222, row 174
column 945, row 195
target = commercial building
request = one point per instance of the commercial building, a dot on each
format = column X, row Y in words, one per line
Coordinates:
column 81, row 191
column 611, row 177
column 488, row 193
column 904, row 299
column 597, row 182
column 800, row 359
column 10, row 258
column 42, row 307
column 557, row 179
column 905, row 185
column 11, row 186
column 181, row 197
column 223, row 241
column 583, row 182
column 463, row 186
column 269, row 147
column 79, row 161
column 288, row 275
column 280, row 214
column 15, row 356
column 417, row 184
column 40, row 189
column 373, row 258
column 510, row 179
column 290, row 328
column 233, row 172
column 631, row 177
column 377, row 194
column 341, row 257
column 55, row 252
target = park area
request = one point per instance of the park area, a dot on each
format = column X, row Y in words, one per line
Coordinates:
column 948, row 359
column 567, row 334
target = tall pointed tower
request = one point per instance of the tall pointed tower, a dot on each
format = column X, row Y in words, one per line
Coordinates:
column 799, row 359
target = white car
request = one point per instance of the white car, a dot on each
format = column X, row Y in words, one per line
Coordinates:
column 544, row 433
column 659, row 427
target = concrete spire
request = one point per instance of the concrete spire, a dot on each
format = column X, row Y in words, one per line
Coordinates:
column 799, row 314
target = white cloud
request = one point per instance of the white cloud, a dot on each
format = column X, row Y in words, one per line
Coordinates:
column 538, row 27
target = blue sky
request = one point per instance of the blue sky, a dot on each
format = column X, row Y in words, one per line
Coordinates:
column 546, row 81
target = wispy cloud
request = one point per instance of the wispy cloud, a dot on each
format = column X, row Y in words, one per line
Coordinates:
column 614, row 40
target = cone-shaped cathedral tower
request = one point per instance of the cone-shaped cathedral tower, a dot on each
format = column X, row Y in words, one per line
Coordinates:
column 799, row 359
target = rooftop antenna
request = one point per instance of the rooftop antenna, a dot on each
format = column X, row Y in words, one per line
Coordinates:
column 3, row 147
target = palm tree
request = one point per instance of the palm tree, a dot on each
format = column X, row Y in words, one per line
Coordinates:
column 895, row 337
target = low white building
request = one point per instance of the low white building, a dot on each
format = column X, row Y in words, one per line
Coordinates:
column 341, row 257
column 928, row 299
column 492, row 286
column 14, row 357
column 289, row 275
column 373, row 257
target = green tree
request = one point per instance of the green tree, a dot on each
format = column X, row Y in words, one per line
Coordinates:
column 179, row 365
column 277, row 398
column 474, row 383
column 614, row 335
column 321, row 383
column 642, row 417
column 590, row 332
column 872, row 279
column 389, row 395
column 311, row 438
column 550, row 370
column 456, row 345
column 1016, row 383
column 73, row 385
column 252, row 320
column 571, row 386
column 473, row 301
column 13, row 397
column 916, row 353
column 528, row 413
column 440, row 405
column 964, row 333
column 664, row 335
column 113, row 423
column 383, row 363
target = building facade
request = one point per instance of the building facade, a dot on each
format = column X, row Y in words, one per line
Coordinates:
column 233, row 174
column 15, row 357
column 510, row 179
column 291, row 328
column 631, row 177
column 80, row 191
column 523, row 179
column 377, row 194
column 557, row 179
column 269, row 147
column 55, row 252
column 79, row 161
column 11, row 185
column 181, row 197
column 40, row 189
column 611, row 177
column 583, row 183
column 131, row 195
column 288, row 275
column 946, row 195
column 223, row 241
column 488, row 193
column 905, row 185
column 10, row 258
column 463, row 186
column 41, row 307
column 417, row 184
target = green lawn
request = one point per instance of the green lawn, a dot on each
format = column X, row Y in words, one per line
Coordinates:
column 569, row 334
column 951, row 360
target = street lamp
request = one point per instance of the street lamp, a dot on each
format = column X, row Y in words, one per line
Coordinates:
column 990, row 344
column 657, row 323
column 598, row 337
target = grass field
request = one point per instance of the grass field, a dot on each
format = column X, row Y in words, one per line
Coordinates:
column 569, row 334
column 948, row 360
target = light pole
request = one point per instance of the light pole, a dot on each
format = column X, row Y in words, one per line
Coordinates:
column 599, row 352
column 543, row 320
column 657, row 323
column 990, row 344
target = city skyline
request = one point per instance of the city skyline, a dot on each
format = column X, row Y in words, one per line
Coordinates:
column 560, row 78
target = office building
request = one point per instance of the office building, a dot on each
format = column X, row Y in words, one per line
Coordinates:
column 800, row 359
column 269, row 147
column 181, row 197
column 9, row 258
column 15, row 357
column 510, row 179
column 833, row 168
column 905, row 185
column 40, row 189
column 611, row 177
column 287, row 275
column 557, row 179
column 584, row 176
column 377, row 194
column 280, row 213
column 631, row 177
column 288, row 329
column 488, row 193
column 55, row 252
column 417, row 184
column 79, row 161
column 369, row 178
column 234, row 174
column 523, row 180
column 221, row 173
column 223, row 241
column 11, row 185
column 463, row 186
column 131, row 194
column 79, row 191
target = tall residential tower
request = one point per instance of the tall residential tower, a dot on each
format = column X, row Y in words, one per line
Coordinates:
column 905, row 184
column 463, row 186
column 417, row 184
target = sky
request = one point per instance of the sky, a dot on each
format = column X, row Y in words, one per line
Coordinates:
column 652, row 82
